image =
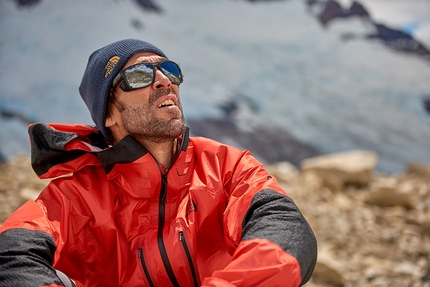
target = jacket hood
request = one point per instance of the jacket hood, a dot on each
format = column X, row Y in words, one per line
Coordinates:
column 61, row 149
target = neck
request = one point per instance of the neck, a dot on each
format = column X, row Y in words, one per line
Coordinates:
column 163, row 152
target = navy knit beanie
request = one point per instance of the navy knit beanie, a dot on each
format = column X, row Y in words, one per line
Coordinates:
column 103, row 65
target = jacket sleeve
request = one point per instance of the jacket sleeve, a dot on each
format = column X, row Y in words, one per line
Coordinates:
column 27, row 249
column 273, row 243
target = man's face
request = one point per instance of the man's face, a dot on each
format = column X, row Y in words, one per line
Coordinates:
column 151, row 113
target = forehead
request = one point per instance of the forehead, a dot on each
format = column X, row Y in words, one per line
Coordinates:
column 143, row 57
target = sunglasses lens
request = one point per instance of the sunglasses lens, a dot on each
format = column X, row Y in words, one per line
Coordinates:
column 142, row 75
column 171, row 70
column 139, row 76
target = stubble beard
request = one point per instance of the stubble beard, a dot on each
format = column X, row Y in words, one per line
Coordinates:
column 142, row 122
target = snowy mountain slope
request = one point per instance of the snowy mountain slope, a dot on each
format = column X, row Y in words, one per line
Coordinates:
column 306, row 81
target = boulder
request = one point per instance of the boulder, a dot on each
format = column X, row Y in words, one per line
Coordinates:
column 386, row 192
column 328, row 270
column 344, row 168
column 419, row 169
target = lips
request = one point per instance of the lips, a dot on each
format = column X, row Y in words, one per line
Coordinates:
column 166, row 103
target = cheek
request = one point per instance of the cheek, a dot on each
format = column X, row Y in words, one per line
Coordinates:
column 175, row 89
column 137, row 98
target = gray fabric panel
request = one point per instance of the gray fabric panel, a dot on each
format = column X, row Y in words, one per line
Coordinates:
column 275, row 217
column 26, row 258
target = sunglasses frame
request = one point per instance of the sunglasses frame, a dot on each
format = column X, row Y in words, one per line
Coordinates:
column 121, row 78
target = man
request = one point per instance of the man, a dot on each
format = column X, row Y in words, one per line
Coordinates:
column 140, row 203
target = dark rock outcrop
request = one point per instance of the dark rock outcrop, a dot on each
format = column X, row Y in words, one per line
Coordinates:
column 15, row 115
column 399, row 40
column 149, row 5
column 333, row 10
column 26, row 3
column 242, row 127
column 395, row 39
column 426, row 103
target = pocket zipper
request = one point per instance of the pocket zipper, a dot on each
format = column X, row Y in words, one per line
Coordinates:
column 190, row 261
column 145, row 269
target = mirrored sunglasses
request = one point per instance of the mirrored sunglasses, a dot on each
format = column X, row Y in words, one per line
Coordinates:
column 143, row 74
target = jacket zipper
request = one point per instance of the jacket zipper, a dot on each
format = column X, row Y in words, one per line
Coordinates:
column 190, row 261
column 145, row 269
column 161, row 220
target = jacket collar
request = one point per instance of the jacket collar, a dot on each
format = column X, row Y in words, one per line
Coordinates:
column 58, row 149
column 129, row 149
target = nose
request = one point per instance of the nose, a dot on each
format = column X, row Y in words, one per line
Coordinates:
column 160, row 81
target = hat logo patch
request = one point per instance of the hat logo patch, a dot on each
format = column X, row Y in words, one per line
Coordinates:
column 111, row 64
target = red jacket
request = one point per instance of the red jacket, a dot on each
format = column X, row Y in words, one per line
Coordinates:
column 112, row 216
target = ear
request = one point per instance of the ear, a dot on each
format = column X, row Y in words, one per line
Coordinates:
column 113, row 122
column 110, row 120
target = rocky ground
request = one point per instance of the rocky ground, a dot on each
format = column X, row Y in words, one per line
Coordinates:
column 372, row 229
